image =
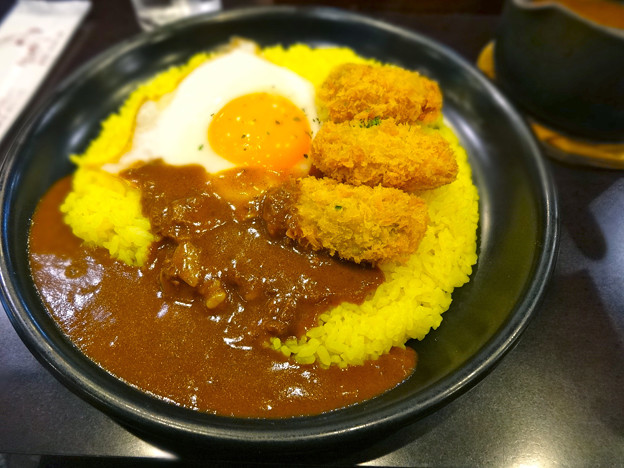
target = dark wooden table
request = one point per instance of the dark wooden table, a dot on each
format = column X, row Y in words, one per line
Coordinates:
column 556, row 399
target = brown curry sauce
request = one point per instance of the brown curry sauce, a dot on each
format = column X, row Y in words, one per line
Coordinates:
column 191, row 326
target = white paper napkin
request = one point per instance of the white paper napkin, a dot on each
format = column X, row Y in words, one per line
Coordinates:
column 32, row 36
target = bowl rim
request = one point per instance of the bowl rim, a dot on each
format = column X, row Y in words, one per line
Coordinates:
column 299, row 431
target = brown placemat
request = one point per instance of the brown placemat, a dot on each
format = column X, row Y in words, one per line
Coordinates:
column 558, row 146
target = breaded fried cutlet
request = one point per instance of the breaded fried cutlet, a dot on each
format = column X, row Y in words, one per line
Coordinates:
column 364, row 92
column 406, row 157
column 360, row 224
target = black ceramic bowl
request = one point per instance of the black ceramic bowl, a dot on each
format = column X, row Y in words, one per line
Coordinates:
column 563, row 69
column 517, row 236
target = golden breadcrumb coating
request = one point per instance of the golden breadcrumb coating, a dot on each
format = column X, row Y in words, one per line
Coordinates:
column 400, row 156
column 361, row 224
column 363, row 92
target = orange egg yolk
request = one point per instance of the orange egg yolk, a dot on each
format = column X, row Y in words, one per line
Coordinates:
column 261, row 130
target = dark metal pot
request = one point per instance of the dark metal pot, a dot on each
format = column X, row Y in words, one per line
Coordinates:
column 563, row 69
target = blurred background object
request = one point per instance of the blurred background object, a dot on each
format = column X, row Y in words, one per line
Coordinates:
column 32, row 38
column 153, row 13
column 407, row 6
column 562, row 63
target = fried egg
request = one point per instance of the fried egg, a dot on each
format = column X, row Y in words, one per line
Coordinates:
column 237, row 110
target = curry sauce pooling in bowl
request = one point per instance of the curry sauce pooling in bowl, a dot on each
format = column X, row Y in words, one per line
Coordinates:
column 141, row 326
column 192, row 285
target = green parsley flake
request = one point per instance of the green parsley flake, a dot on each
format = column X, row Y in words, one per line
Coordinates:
column 370, row 123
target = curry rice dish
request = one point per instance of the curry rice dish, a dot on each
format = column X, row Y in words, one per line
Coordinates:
column 257, row 290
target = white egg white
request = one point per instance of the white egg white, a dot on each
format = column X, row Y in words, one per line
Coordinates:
column 175, row 129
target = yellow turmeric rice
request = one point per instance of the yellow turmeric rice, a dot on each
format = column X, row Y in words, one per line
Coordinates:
column 105, row 211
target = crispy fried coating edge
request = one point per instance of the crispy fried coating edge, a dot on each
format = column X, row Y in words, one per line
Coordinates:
column 401, row 156
column 362, row 92
column 361, row 224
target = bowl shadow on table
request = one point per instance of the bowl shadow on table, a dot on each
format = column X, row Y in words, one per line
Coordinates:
column 585, row 309
column 576, row 214
column 579, row 363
